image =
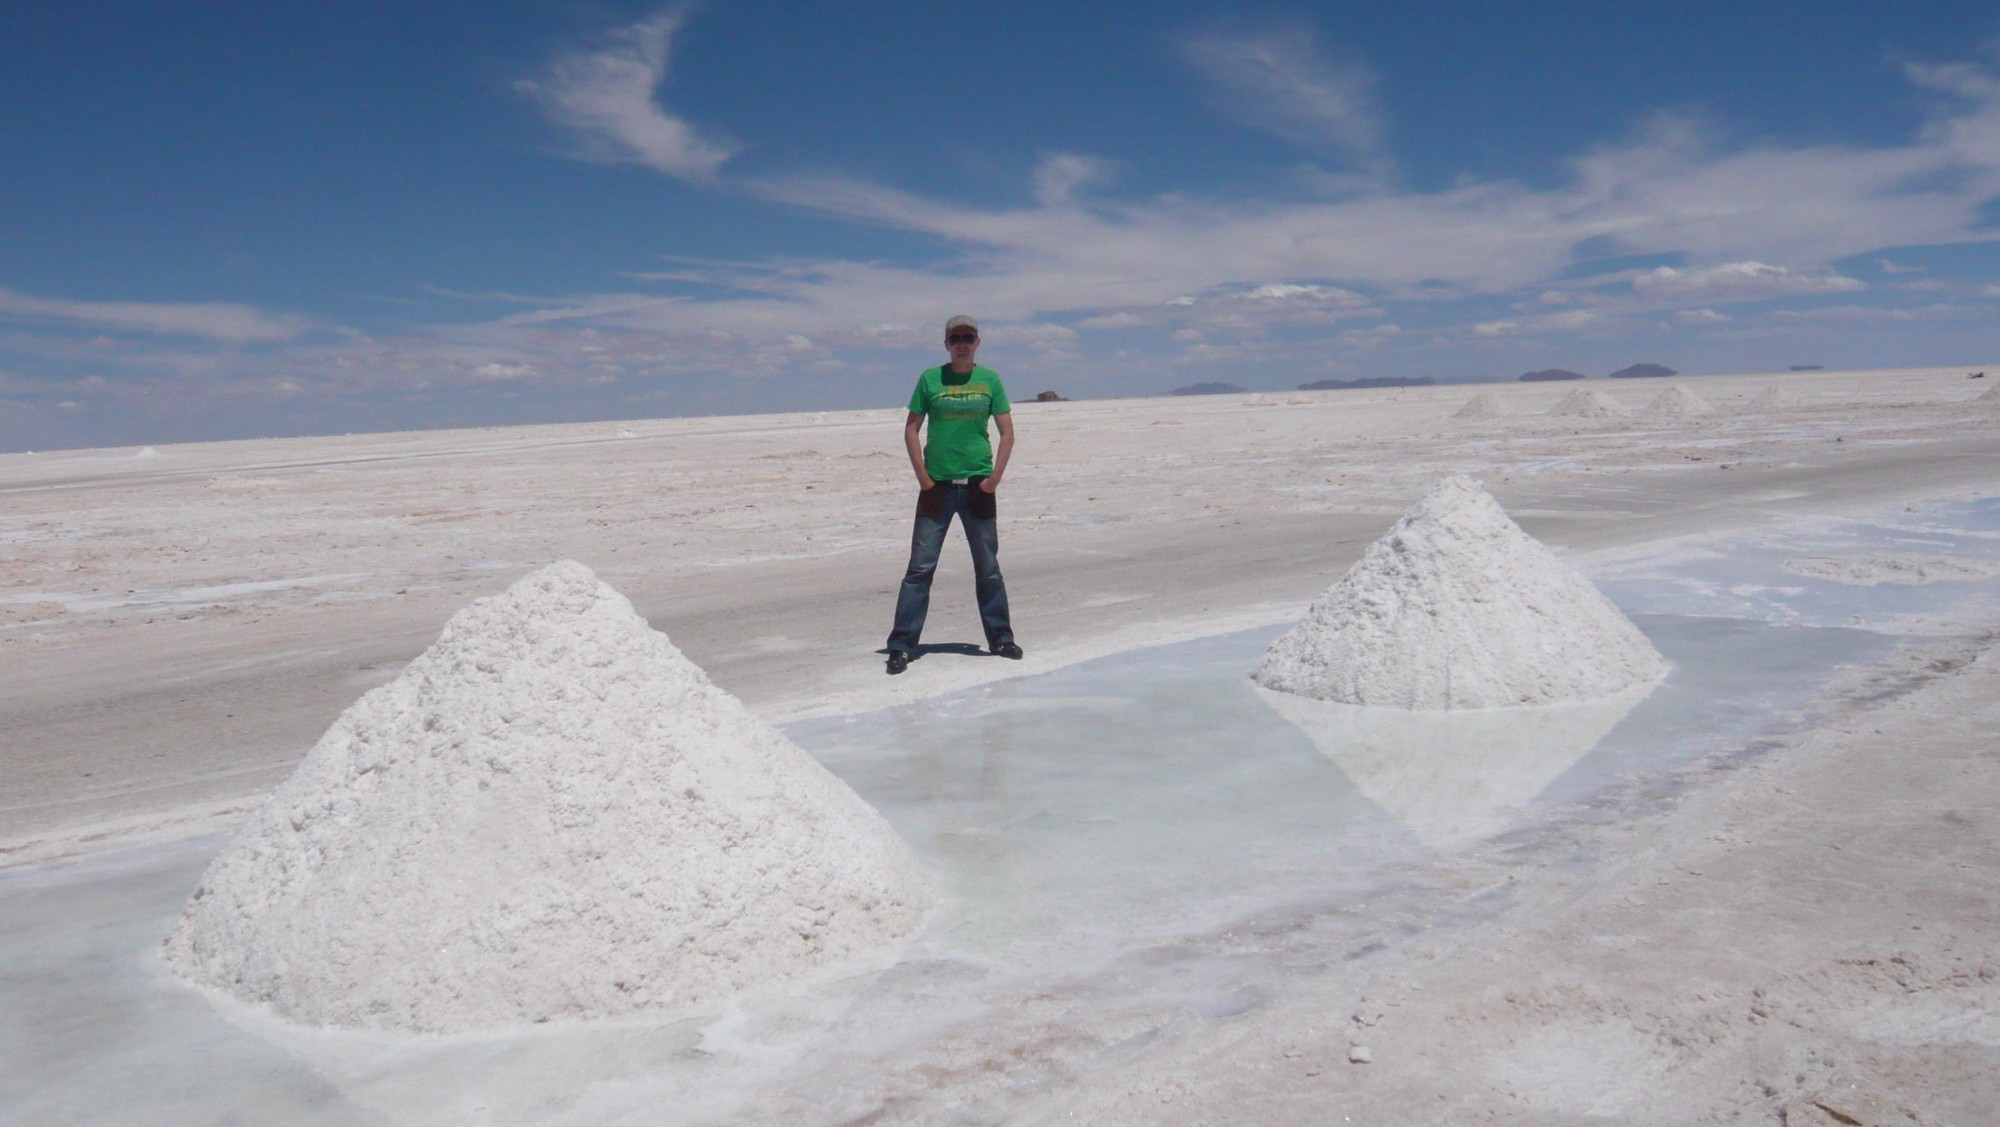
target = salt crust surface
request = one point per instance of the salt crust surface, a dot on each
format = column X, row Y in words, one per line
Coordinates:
column 552, row 814
column 1458, row 608
column 1990, row 395
column 1676, row 402
column 1773, row 398
column 1907, row 571
column 1588, row 403
column 1485, row 405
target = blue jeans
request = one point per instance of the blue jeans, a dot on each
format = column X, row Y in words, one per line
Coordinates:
column 974, row 508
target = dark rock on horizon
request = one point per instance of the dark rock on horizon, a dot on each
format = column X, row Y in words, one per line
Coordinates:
column 1643, row 371
column 1368, row 381
column 1051, row 397
column 1808, row 367
column 1209, row 389
column 1550, row 374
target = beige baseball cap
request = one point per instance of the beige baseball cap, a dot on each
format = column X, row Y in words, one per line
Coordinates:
column 961, row 322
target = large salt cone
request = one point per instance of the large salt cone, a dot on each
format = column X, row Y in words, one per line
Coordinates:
column 551, row 814
column 1458, row 608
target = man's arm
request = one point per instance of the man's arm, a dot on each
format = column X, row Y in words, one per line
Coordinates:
column 1006, row 424
column 914, row 443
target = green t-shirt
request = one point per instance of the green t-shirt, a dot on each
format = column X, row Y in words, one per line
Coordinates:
column 956, row 408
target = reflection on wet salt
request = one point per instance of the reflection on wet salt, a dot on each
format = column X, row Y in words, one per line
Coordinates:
column 1454, row 777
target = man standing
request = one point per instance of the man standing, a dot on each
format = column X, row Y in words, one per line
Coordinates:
column 958, row 473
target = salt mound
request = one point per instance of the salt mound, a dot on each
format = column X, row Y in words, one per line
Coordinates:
column 1990, row 395
column 1588, row 404
column 1457, row 608
column 1485, row 405
column 1677, row 402
column 1773, row 398
column 551, row 814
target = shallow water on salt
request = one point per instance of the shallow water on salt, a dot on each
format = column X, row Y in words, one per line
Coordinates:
column 1100, row 833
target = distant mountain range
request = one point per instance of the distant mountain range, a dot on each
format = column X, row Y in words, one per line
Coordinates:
column 1642, row 371
column 1208, row 389
column 1549, row 374
column 1368, row 381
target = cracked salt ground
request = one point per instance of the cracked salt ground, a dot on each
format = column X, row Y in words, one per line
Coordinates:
column 1128, row 850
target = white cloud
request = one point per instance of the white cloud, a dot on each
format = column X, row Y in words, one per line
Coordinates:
column 1865, row 313
column 1889, row 267
column 1566, row 321
column 1280, row 79
column 224, row 322
column 606, row 96
column 1059, row 175
column 499, row 371
column 1572, row 320
column 1738, row 281
column 1370, row 338
column 1112, row 321
column 1292, row 292
column 1701, row 317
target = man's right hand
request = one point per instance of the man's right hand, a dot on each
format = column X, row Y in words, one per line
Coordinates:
column 924, row 482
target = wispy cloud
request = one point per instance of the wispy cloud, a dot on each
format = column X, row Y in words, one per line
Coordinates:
column 1059, row 175
column 1739, row 281
column 1281, row 79
column 1867, row 313
column 605, row 94
column 223, row 322
column 1701, row 317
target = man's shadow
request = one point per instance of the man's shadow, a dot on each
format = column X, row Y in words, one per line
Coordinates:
column 962, row 649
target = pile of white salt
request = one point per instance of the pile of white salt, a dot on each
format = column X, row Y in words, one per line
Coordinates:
column 1588, row 403
column 1485, row 405
column 1676, row 402
column 550, row 815
column 1458, row 608
column 1775, row 397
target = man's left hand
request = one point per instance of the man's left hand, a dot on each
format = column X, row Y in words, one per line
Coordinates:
column 990, row 485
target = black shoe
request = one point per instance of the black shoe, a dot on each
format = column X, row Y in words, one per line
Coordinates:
column 898, row 661
column 1008, row 649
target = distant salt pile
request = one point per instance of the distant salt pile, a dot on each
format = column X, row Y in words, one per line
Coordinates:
column 1677, row 402
column 550, row 815
column 1774, row 398
column 1457, row 608
column 1485, row 405
column 1990, row 395
column 1588, row 403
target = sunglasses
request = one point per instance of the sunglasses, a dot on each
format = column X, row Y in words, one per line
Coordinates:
column 962, row 338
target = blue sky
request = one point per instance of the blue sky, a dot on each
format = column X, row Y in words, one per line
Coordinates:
column 233, row 220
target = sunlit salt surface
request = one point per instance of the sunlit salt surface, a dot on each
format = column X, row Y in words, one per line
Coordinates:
column 1100, row 835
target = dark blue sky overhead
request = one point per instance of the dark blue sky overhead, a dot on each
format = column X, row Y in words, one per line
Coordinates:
column 228, row 220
